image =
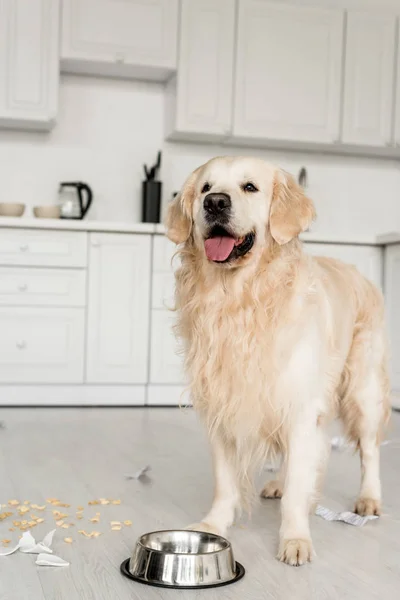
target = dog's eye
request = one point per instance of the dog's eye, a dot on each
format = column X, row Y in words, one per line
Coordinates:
column 206, row 188
column 249, row 187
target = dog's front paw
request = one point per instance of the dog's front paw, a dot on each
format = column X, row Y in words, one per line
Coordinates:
column 206, row 527
column 272, row 489
column 367, row 507
column 295, row 552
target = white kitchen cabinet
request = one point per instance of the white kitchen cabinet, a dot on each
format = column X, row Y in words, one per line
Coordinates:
column 122, row 38
column 199, row 97
column 118, row 308
column 29, row 63
column 369, row 79
column 41, row 345
column 166, row 363
column 392, row 299
column 397, row 98
column 288, row 72
column 367, row 259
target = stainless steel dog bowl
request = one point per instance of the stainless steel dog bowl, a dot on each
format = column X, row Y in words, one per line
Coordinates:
column 182, row 559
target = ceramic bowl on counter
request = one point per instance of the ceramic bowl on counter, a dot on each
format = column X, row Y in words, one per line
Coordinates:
column 50, row 211
column 11, row 209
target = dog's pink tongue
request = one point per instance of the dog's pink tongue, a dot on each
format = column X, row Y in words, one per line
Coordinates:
column 219, row 248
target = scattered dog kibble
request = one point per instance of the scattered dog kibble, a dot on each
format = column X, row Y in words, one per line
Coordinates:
column 95, row 519
column 68, row 540
column 128, row 523
column 116, row 528
column 79, row 508
column 65, row 526
column 13, row 502
column 116, row 502
column 5, row 515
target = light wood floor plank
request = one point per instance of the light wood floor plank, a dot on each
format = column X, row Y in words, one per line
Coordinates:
column 78, row 455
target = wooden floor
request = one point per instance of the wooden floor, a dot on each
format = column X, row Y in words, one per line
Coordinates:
column 78, row 455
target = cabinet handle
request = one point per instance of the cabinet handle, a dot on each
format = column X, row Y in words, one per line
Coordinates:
column 120, row 57
column 21, row 344
column 24, row 247
column 23, row 287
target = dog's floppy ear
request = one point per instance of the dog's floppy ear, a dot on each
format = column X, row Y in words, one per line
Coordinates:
column 291, row 210
column 179, row 220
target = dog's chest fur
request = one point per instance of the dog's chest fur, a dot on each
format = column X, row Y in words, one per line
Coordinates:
column 231, row 338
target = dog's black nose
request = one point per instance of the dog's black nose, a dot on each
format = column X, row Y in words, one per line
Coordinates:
column 216, row 204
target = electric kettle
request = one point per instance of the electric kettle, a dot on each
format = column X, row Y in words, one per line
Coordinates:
column 75, row 199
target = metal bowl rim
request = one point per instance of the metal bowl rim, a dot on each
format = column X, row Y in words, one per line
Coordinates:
column 139, row 542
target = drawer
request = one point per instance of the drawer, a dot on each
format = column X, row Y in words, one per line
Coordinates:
column 163, row 255
column 166, row 364
column 42, row 287
column 41, row 345
column 163, row 290
column 27, row 247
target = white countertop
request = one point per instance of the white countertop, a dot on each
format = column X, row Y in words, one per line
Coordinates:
column 77, row 225
column 389, row 238
column 130, row 227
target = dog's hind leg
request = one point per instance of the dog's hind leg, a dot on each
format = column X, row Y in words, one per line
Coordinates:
column 274, row 488
column 365, row 410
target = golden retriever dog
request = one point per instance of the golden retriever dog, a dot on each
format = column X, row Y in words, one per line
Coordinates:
column 277, row 343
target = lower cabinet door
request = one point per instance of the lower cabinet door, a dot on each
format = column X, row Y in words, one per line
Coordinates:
column 118, row 308
column 41, row 345
column 166, row 363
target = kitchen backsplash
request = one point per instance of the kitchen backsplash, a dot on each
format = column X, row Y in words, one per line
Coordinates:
column 107, row 129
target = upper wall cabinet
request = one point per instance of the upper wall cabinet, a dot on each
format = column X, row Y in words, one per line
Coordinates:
column 369, row 79
column 29, row 63
column 288, row 72
column 199, row 98
column 122, row 38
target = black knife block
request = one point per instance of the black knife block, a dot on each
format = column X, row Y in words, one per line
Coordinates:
column 151, row 201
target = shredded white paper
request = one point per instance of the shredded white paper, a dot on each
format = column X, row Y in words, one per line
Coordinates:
column 139, row 473
column 47, row 560
column 346, row 517
column 339, row 442
column 27, row 545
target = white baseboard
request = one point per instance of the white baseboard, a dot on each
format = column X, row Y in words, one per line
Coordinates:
column 167, row 395
column 72, row 395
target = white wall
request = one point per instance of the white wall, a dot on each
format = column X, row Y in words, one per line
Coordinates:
column 108, row 128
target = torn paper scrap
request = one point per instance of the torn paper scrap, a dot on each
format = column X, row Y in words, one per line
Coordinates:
column 271, row 468
column 339, row 442
column 346, row 517
column 9, row 551
column 28, row 545
column 139, row 473
column 45, row 560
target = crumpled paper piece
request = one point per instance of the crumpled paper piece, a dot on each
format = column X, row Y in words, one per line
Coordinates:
column 340, row 443
column 27, row 544
column 139, row 473
column 346, row 516
column 47, row 560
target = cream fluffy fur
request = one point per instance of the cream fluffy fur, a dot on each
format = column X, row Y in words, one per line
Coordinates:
column 276, row 344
